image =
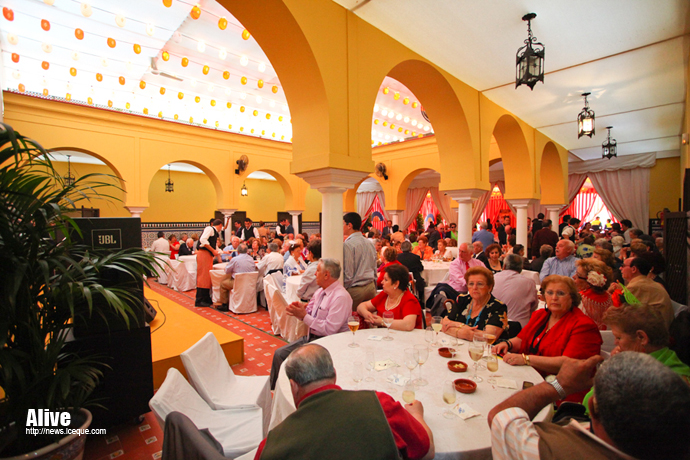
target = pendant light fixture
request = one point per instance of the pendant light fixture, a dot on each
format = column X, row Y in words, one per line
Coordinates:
column 69, row 177
column 244, row 191
column 585, row 120
column 608, row 148
column 169, row 185
column 529, row 58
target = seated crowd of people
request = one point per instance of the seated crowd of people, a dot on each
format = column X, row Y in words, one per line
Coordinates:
column 592, row 278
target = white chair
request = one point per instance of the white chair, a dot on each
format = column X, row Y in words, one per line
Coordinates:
column 217, row 276
column 269, row 289
column 237, row 430
column 243, row 295
column 677, row 308
column 454, row 251
column 534, row 276
column 291, row 328
column 181, row 280
column 279, row 281
column 214, row 380
column 164, row 261
column 609, row 341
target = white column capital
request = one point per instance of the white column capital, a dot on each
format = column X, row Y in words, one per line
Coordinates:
column 553, row 207
column 227, row 212
column 470, row 194
column 330, row 179
column 520, row 202
column 295, row 213
column 136, row 210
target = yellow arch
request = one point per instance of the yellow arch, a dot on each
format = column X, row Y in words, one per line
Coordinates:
column 405, row 184
column 350, row 195
column 149, row 171
column 553, row 184
column 284, row 184
column 108, row 163
column 517, row 161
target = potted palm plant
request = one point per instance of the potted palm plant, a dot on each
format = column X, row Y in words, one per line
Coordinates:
column 49, row 281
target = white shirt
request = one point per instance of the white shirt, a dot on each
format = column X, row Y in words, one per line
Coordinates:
column 271, row 261
column 160, row 245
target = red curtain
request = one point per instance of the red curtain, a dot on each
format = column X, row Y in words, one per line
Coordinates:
column 582, row 204
column 498, row 208
column 378, row 220
column 428, row 210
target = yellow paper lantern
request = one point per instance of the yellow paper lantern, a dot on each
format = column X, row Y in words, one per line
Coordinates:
column 372, row 142
column 376, row 121
column 241, row 128
column 73, row 71
column 268, row 116
column 229, row 105
column 213, row 103
column 127, row 106
column 90, row 101
column 386, row 90
column 280, row 118
column 246, row 34
column 263, row 132
column 414, row 133
column 160, row 114
column 415, row 105
column 175, row 116
column 255, row 113
column 274, row 89
column 196, row 12
column 229, row 126
column 165, row 56
column 242, row 109
column 385, row 123
column 205, row 70
column 222, row 23
column 191, row 120
column 68, row 97
column 252, row 131
column 400, row 130
column 205, row 121
column 45, row 91
column 396, row 96
column 137, row 48
column 406, row 100
column 180, row 95
column 243, row 80
column 146, row 111
column 392, row 126
column 407, row 131
column 226, row 74
column 142, row 84
column 197, row 99
column 162, row 90
column 185, row 62
column 217, row 124
column 260, row 83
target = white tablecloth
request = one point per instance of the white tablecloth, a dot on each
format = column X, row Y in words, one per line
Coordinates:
column 434, row 272
column 291, row 287
column 454, row 439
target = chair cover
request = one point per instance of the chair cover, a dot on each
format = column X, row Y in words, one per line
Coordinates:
column 269, row 289
column 534, row 276
column 216, row 277
column 181, row 280
column 677, row 308
column 609, row 341
column 291, row 328
column 237, row 430
column 214, row 380
column 162, row 271
column 279, row 281
column 454, row 251
column 243, row 295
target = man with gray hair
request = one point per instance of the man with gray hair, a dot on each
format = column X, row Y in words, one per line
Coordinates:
column 241, row 263
column 271, row 262
column 187, row 249
column 563, row 263
column 640, row 408
column 483, row 235
column 335, row 424
column 518, row 292
column 325, row 314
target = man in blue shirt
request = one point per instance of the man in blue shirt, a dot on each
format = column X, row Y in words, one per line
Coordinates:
column 241, row 263
column 563, row 263
column 483, row 235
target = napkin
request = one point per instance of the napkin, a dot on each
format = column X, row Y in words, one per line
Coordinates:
column 506, row 383
column 383, row 365
column 375, row 337
column 464, row 411
column 397, row 379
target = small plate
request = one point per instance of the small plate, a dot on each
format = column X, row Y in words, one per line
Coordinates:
column 457, row 366
column 465, row 386
column 447, row 352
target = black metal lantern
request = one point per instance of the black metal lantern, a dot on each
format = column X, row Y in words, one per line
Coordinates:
column 169, row 185
column 530, row 58
column 244, row 191
column 585, row 120
column 69, row 177
column 608, row 148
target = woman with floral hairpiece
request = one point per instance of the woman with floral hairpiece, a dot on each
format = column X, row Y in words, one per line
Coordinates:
column 592, row 279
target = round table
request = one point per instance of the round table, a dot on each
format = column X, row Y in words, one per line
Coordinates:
column 434, row 272
column 291, row 286
column 455, row 438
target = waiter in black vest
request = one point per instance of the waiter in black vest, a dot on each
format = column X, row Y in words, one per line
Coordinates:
column 208, row 244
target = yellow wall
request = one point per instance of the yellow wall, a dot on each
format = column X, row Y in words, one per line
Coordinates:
column 664, row 187
column 192, row 201
column 312, row 205
column 109, row 207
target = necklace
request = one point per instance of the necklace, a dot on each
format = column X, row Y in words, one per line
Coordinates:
column 391, row 305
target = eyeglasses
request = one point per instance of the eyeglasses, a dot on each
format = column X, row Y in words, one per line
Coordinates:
column 477, row 284
column 556, row 293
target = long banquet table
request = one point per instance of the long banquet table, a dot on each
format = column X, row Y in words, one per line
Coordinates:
column 455, row 438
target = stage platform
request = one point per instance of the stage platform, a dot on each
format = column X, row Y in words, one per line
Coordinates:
column 181, row 330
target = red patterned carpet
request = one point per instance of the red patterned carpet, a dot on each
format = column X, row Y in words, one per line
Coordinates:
column 145, row 440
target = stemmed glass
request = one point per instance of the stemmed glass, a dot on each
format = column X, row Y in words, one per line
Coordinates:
column 353, row 324
column 411, row 359
column 370, row 363
column 449, row 398
column 357, row 372
column 492, row 366
column 423, row 355
column 490, row 339
column 436, row 326
column 429, row 336
column 388, row 322
column 476, row 352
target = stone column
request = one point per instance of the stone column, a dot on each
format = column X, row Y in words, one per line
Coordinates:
column 227, row 215
column 295, row 220
column 136, row 210
column 332, row 183
column 465, row 198
column 521, row 230
column 553, row 214
column 396, row 216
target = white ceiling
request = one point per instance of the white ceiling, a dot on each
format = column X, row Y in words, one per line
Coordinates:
column 629, row 54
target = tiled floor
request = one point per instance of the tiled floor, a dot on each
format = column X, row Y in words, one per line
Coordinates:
column 145, row 440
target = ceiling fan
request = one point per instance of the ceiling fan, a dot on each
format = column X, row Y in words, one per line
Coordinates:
column 154, row 70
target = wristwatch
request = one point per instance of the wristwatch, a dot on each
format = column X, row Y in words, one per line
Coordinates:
column 551, row 380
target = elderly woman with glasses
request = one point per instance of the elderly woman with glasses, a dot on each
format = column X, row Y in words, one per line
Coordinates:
column 478, row 309
column 560, row 330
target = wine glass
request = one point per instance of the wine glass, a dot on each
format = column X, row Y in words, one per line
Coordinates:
column 490, row 339
column 408, row 392
column 476, row 350
column 429, row 335
column 353, row 324
column 411, row 359
column 388, row 322
column 357, row 372
column 371, row 362
column 449, row 398
column 492, row 366
column 436, row 326
column 423, row 355
column 480, row 338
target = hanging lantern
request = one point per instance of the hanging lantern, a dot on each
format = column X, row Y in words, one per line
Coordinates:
column 244, row 191
column 245, row 34
column 45, row 24
column 585, row 120
column 222, row 23
column 169, row 185
column 609, row 147
column 185, row 62
column 111, row 42
column 530, row 58
column 69, row 178
column 196, row 12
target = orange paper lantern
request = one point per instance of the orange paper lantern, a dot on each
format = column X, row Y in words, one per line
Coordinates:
column 79, row 34
column 15, row 57
column 110, row 103
column 243, row 80
column 229, row 105
column 165, row 56
column 268, row 116
column 90, row 101
column 185, row 62
column 45, row 91
column 242, row 109
column 21, row 86
column 121, row 80
column 112, row 42
column 196, row 12
column 167, row 3
column 205, row 70
column 222, row 23
column 162, row 90
column 260, row 83
column 245, row 34
column 99, row 77
column 137, row 48
column 415, row 105
column 406, row 100
column 386, row 90
column 45, row 24
column 142, row 84
column 274, row 89
column 180, row 95
column 226, row 74
column 146, row 111
column 45, row 65
column 73, row 71
column 255, row 113
column 9, row 15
